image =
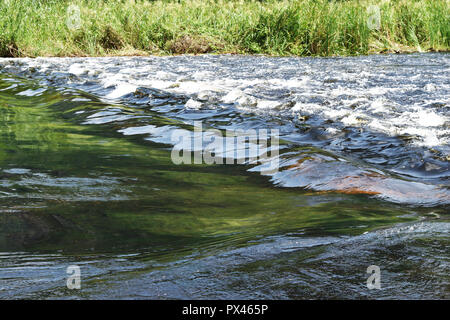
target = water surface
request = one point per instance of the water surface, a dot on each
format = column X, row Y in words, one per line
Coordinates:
column 86, row 178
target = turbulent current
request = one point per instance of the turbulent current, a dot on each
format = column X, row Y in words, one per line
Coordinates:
column 377, row 124
column 362, row 177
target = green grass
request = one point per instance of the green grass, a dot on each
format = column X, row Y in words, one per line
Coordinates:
column 303, row 27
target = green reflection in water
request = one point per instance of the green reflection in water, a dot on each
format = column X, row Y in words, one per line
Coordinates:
column 89, row 188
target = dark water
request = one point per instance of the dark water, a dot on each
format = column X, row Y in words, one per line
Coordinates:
column 86, row 179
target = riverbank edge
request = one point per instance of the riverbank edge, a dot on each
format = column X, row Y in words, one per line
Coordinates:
column 139, row 53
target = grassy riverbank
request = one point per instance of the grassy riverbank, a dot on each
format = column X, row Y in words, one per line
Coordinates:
column 303, row 27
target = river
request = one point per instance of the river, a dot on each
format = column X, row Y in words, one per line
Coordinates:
column 359, row 177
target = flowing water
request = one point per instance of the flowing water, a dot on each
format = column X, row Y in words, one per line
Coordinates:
column 87, row 177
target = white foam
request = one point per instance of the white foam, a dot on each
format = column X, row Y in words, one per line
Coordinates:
column 193, row 104
column 351, row 98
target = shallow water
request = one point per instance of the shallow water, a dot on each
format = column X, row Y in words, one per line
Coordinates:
column 86, row 177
